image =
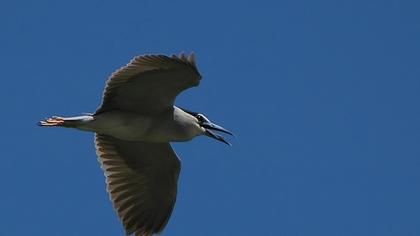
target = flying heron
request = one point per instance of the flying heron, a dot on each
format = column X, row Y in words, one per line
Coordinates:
column 133, row 127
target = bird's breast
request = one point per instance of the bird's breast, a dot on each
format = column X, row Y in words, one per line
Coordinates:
column 173, row 131
column 134, row 127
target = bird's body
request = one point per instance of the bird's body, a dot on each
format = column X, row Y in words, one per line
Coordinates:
column 174, row 125
column 133, row 128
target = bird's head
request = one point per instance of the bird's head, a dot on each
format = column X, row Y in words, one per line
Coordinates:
column 208, row 127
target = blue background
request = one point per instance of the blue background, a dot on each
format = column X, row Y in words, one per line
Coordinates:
column 323, row 96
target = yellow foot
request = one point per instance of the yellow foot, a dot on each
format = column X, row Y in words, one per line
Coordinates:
column 53, row 121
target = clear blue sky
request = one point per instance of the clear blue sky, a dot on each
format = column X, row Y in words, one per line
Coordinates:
column 323, row 96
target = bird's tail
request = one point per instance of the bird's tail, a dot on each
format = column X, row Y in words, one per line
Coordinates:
column 57, row 121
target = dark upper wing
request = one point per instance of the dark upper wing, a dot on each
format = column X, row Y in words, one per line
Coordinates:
column 149, row 84
column 141, row 180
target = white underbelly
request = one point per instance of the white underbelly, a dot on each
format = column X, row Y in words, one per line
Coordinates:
column 135, row 127
column 122, row 125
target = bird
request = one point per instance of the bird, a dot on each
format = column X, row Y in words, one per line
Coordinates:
column 134, row 126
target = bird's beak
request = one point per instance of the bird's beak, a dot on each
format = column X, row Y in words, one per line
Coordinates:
column 210, row 126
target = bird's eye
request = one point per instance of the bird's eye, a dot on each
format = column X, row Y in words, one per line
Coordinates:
column 199, row 117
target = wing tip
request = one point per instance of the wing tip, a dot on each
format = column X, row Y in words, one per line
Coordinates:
column 188, row 59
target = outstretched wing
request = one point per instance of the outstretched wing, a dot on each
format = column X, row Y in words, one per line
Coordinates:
column 141, row 180
column 149, row 84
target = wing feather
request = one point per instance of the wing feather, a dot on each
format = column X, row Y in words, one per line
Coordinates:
column 149, row 84
column 141, row 180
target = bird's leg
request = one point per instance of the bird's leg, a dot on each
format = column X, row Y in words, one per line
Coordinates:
column 53, row 121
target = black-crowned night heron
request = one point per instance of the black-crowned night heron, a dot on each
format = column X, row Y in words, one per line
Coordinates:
column 133, row 128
